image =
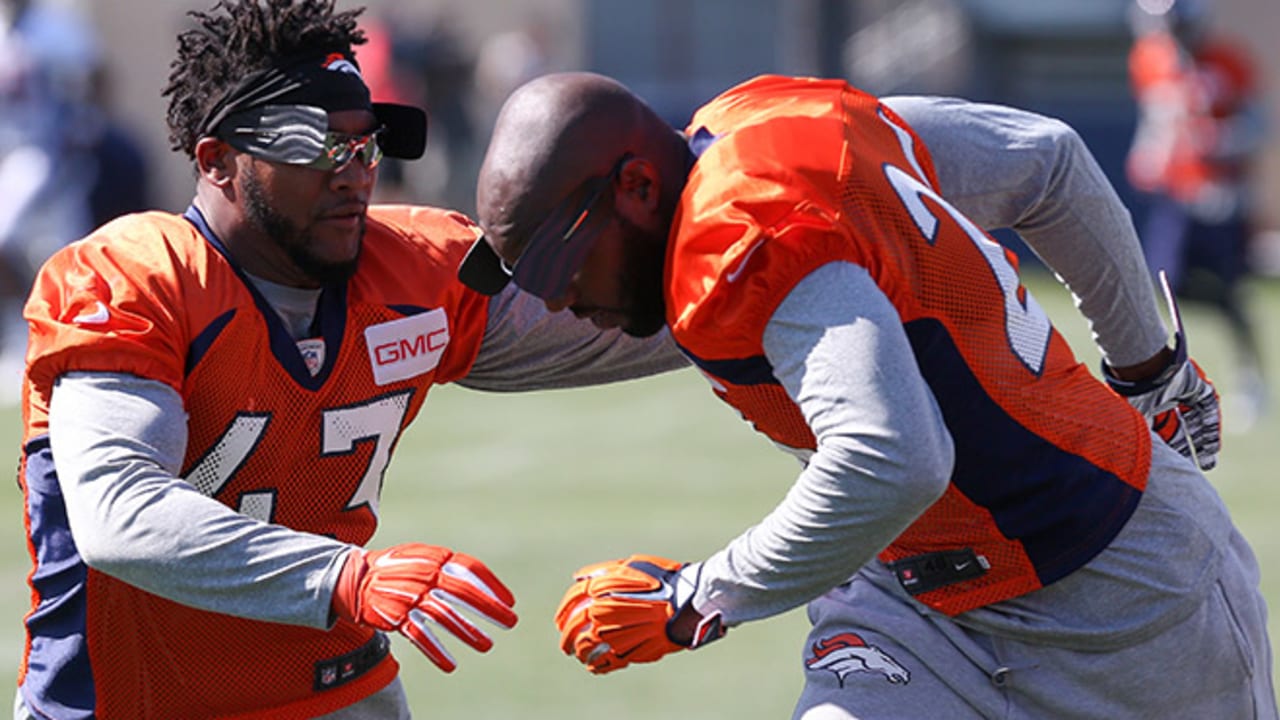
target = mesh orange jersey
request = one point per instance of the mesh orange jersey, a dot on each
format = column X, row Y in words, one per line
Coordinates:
column 794, row 174
column 153, row 296
column 1187, row 98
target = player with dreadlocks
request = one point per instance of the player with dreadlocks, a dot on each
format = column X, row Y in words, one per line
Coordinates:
column 212, row 400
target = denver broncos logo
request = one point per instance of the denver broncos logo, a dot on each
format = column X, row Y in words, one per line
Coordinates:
column 338, row 62
column 847, row 653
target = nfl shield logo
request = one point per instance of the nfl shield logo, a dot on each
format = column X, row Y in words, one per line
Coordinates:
column 312, row 351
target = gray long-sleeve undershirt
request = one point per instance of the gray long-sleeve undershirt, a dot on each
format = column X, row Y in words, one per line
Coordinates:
column 119, row 440
column 836, row 345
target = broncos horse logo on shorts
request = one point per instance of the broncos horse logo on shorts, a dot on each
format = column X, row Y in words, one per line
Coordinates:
column 848, row 653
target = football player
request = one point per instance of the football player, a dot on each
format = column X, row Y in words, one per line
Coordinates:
column 981, row 527
column 212, row 400
column 1201, row 123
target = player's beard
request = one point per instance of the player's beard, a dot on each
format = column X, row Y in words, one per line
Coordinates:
column 294, row 240
column 644, row 260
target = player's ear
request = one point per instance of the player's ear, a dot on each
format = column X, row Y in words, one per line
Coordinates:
column 215, row 161
column 638, row 189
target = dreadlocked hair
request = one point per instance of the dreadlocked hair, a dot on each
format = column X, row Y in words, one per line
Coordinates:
column 237, row 37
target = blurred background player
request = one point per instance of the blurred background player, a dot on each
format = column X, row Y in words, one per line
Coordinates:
column 1201, row 126
column 67, row 164
column 46, row 174
column 212, row 400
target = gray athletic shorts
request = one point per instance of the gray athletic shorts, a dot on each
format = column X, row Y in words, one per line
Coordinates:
column 875, row 655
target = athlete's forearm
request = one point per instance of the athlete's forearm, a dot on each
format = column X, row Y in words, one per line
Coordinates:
column 118, row 443
column 1008, row 168
column 883, row 454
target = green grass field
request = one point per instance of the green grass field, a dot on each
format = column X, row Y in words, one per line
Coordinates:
column 539, row 484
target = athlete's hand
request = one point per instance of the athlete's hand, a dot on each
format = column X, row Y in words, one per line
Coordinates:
column 1181, row 404
column 406, row 587
column 1175, row 396
column 621, row 612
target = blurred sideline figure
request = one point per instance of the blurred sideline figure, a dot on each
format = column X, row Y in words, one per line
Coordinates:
column 982, row 528
column 388, row 81
column 438, row 62
column 47, row 56
column 212, row 400
column 1200, row 124
column 507, row 60
column 122, row 168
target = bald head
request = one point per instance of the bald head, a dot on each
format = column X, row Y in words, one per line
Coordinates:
column 553, row 134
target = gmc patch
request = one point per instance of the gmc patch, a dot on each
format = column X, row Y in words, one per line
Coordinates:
column 404, row 348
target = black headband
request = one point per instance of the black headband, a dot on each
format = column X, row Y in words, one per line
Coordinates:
column 331, row 82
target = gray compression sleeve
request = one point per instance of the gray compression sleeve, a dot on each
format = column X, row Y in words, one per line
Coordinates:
column 883, row 453
column 118, row 442
column 1008, row 168
column 525, row 347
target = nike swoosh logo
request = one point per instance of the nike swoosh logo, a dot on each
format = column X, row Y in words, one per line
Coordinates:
column 664, row 592
column 97, row 316
column 962, row 565
column 742, row 264
column 387, row 561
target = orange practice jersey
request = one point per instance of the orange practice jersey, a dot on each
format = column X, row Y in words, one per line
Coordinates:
column 155, row 296
column 794, row 174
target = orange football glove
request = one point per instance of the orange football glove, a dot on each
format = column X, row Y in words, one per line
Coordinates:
column 405, row 587
column 617, row 612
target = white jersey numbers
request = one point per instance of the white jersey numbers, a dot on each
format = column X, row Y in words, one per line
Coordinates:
column 218, row 465
column 379, row 421
column 1026, row 324
column 341, row 430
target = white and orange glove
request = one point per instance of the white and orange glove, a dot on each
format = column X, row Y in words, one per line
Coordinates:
column 406, row 587
column 620, row 612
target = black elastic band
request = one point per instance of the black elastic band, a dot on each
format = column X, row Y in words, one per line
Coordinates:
column 343, row 669
column 929, row 571
column 331, row 82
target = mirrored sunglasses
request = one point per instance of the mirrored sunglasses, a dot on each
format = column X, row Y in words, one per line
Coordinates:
column 299, row 135
column 337, row 150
